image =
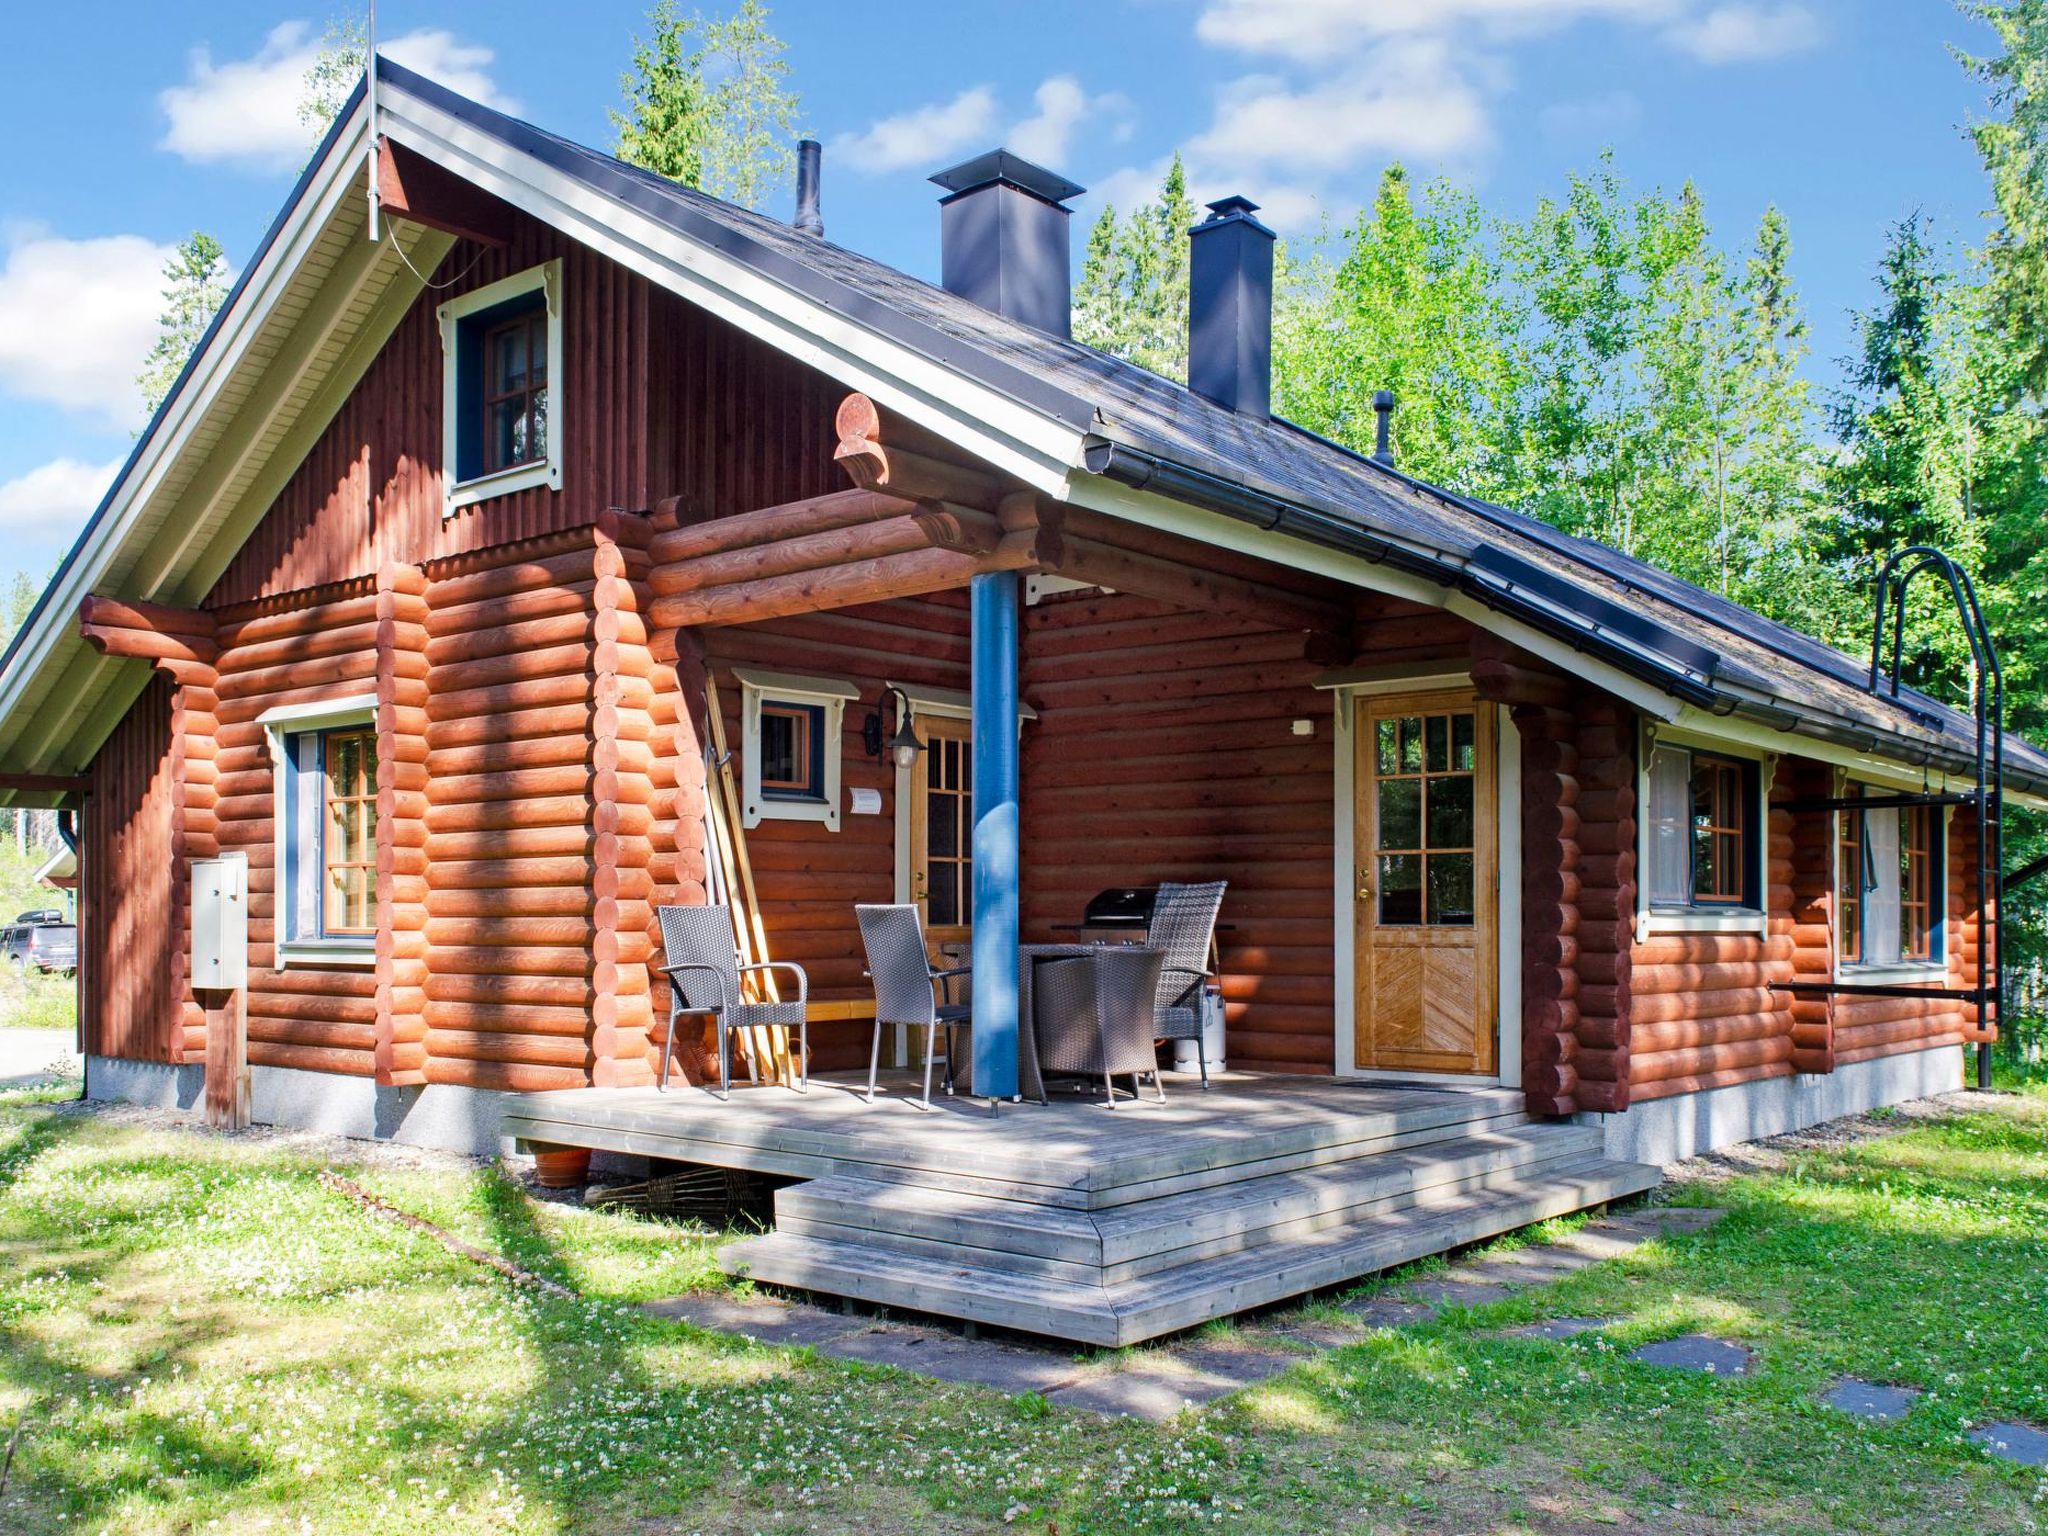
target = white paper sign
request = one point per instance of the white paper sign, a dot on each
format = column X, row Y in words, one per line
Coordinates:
column 867, row 802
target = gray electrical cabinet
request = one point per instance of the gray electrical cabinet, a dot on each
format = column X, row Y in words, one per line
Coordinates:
column 220, row 922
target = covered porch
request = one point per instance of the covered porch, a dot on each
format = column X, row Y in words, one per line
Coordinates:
column 1099, row 703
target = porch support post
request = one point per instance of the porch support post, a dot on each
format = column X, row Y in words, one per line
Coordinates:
column 993, row 598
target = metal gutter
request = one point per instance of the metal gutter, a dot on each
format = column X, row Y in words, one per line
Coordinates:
column 1142, row 470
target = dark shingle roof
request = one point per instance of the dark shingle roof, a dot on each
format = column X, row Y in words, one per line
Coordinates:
column 1714, row 651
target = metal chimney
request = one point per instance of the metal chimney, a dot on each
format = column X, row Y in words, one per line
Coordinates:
column 1383, row 434
column 1003, row 239
column 1230, row 308
column 809, row 157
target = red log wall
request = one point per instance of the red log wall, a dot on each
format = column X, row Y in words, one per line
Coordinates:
column 125, row 925
column 1164, row 750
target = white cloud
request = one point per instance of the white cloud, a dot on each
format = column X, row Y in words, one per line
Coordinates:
column 56, row 497
column 246, row 111
column 924, row 136
column 1313, row 31
column 1063, row 107
column 1407, row 97
column 77, row 318
column 1736, row 34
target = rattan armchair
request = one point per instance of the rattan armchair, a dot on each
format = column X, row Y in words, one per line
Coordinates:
column 704, row 976
column 1183, row 927
column 908, row 989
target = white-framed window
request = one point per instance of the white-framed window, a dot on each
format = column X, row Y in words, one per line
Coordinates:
column 501, row 406
column 324, row 808
column 1890, row 887
column 1702, row 857
column 790, row 746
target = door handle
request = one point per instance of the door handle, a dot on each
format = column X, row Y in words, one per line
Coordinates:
column 1365, row 882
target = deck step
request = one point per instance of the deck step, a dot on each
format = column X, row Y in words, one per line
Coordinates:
column 1127, row 1242
column 1084, row 1157
column 1192, row 1292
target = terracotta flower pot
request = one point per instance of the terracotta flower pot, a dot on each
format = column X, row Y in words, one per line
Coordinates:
column 561, row 1167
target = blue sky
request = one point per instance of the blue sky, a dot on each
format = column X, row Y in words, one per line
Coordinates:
column 134, row 124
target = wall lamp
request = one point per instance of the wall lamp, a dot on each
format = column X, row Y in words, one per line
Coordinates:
column 904, row 746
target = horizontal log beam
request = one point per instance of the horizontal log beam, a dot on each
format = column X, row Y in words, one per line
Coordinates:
column 807, row 552
column 842, row 586
column 122, row 613
column 768, row 525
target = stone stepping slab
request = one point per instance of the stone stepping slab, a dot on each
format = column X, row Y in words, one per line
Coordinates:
column 2011, row 1440
column 1563, row 1327
column 1156, row 1384
column 1697, row 1352
column 1877, row 1401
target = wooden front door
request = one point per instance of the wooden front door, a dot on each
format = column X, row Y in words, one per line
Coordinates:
column 1427, row 883
column 942, row 830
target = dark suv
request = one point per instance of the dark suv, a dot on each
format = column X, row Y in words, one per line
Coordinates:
column 40, row 941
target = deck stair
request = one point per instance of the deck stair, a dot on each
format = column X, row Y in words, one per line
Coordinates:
column 1138, row 1260
column 1105, row 1228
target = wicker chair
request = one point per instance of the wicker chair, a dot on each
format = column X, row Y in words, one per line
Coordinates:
column 1183, row 926
column 704, row 975
column 908, row 990
column 1100, row 1011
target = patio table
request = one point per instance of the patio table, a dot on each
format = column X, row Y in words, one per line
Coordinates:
column 1030, row 1080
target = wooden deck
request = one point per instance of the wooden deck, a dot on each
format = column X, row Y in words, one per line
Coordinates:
column 1101, row 1227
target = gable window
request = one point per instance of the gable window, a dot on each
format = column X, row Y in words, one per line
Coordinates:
column 515, row 387
column 790, row 746
column 1888, row 885
column 1702, row 825
column 501, row 381
column 324, row 758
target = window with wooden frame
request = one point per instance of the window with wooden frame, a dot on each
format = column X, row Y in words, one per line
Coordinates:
column 325, row 761
column 1888, row 884
column 501, row 400
column 792, row 750
column 515, row 391
column 789, row 747
column 348, row 860
column 1702, row 826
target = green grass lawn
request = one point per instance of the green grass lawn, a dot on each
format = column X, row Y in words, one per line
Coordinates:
column 199, row 1336
column 30, row 1000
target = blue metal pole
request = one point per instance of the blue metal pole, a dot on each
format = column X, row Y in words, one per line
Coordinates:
column 993, row 601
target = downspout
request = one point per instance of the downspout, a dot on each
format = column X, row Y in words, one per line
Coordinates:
column 67, row 829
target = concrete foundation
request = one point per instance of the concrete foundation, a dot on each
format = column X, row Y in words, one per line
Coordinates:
column 438, row 1115
column 1666, row 1130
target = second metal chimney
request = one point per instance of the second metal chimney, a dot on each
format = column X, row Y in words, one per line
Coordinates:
column 1003, row 239
column 1230, row 308
column 809, row 157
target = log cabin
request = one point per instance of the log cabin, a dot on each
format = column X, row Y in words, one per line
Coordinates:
column 505, row 465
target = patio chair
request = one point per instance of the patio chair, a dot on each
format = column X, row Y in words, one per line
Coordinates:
column 909, row 990
column 1097, row 1015
column 704, row 975
column 1183, row 926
